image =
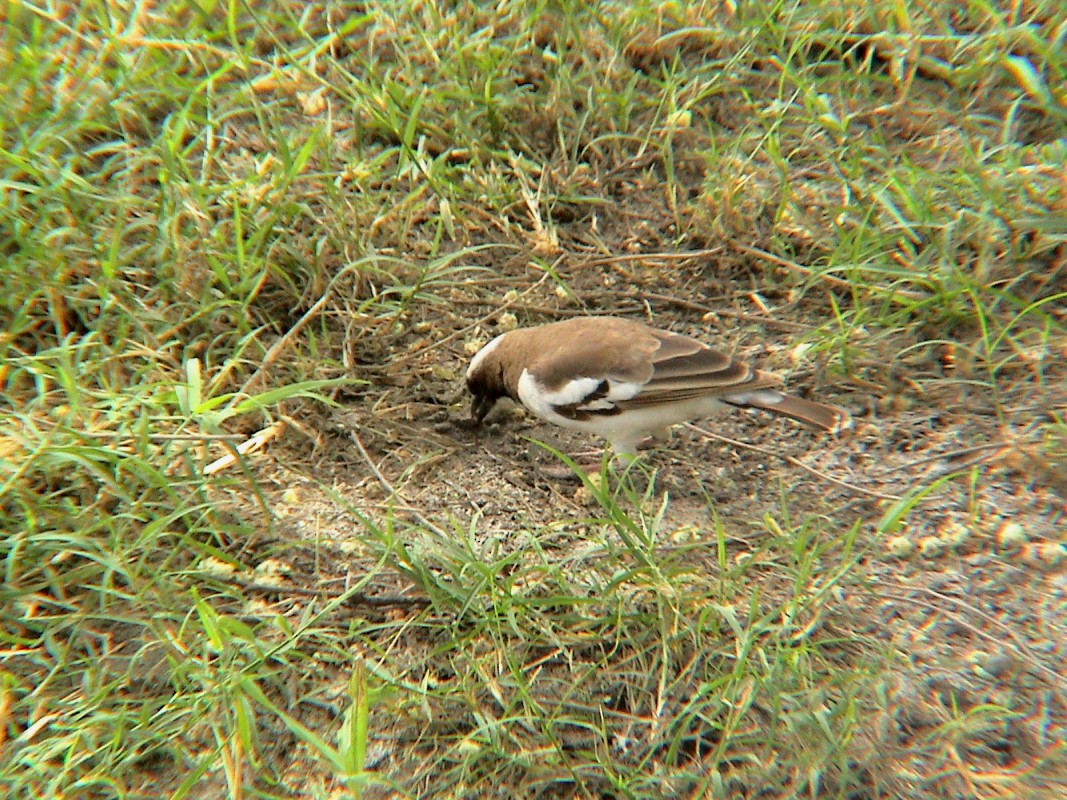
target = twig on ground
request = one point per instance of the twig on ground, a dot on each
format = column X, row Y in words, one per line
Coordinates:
column 757, row 319
column 357, row 598
column 680, row 256
column 282, row 344
column 393, row 491
column 941, row 457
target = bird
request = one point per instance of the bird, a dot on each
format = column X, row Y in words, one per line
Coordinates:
column 625, row 381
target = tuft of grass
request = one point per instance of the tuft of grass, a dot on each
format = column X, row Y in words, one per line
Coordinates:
column 634, row 663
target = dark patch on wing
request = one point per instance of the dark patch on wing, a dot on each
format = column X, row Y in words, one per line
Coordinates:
column 576, row 411
column 707, row 371
column 647, row 398
column 682, row 364
column 703, row 362
column 674, row 345
column 685, row 369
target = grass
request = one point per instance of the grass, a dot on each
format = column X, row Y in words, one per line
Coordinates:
column 219, row 217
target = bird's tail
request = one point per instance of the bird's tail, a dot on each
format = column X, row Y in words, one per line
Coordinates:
column 821, row 415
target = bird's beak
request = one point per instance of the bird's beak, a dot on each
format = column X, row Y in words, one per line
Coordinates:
column 480, row 406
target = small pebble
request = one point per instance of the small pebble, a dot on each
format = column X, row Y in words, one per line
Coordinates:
column 991, row 665
column 1011, row 536
column 931, row 546
column 955, row 534
column 216, row 567
column 901, row 546
column 681, row 118
column 273, row 569
column 585, row 496
column 1044, row 555
column 998, row 664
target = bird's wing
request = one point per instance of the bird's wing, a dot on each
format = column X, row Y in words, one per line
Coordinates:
column 685, row 369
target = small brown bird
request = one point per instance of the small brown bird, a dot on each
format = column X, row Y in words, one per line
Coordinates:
column 625, row 381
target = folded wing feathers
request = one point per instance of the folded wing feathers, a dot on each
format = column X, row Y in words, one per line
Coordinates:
column 674, row 345
column 699, row 363
column 684, row 369
column 727, row 377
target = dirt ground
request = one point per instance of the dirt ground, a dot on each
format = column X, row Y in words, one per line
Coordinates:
column 965, row 596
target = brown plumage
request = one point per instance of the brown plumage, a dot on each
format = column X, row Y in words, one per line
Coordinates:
column 625, row 380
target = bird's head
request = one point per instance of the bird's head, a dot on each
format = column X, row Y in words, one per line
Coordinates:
column 485, row 380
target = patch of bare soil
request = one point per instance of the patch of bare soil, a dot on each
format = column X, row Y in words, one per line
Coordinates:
column 967, row 594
